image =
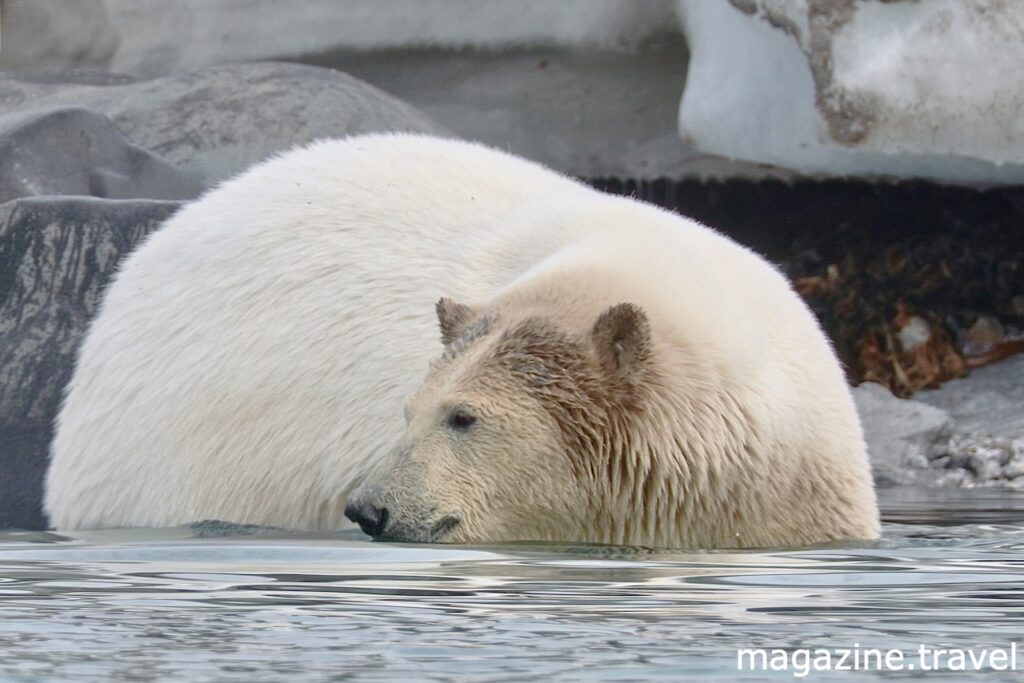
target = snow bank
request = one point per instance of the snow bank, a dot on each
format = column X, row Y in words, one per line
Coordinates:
column 930, row 89
column 909, row 88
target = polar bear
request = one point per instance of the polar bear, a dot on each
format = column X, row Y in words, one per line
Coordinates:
column 610, row 372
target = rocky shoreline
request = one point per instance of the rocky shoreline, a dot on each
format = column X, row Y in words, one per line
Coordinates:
column 961, row 435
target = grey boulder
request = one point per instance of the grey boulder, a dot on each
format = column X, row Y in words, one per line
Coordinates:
column 989, row 401
column 901, row 434
column 217, row 121
column 76, row 151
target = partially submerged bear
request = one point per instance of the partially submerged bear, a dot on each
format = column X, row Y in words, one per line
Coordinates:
column 611, row 372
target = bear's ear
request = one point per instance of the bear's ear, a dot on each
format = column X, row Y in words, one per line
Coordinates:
column 453, row 318
column 622, row 339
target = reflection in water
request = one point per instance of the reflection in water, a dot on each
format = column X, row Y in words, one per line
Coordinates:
column 164, row 604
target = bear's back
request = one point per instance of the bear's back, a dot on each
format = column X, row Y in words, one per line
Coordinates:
column 266, row 335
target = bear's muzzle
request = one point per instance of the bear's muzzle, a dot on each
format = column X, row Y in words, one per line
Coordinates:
column 371, row 519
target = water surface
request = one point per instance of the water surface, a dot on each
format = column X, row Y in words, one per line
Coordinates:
column 171, row 605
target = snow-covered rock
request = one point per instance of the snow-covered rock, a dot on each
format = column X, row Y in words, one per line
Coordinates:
column 839, row 87
column 929, row 89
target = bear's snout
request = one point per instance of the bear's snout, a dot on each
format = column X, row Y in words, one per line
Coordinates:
column 370, row 518
column 406, row 521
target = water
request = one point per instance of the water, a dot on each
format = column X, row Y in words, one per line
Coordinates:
column 167, row 605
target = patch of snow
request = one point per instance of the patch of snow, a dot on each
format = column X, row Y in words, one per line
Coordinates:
column 927, row 89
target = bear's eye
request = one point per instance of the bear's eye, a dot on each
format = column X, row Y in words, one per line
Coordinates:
column 459, row 421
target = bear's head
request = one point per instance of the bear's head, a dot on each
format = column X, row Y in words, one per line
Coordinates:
column 518, row 433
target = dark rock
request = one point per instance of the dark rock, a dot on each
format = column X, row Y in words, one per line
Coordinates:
column 56, row 256
column 24, row 454
column 215, row 528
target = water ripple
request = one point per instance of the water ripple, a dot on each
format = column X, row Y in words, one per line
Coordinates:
column 165, row 605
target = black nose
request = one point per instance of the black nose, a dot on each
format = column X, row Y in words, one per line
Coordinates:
column 370, row 518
